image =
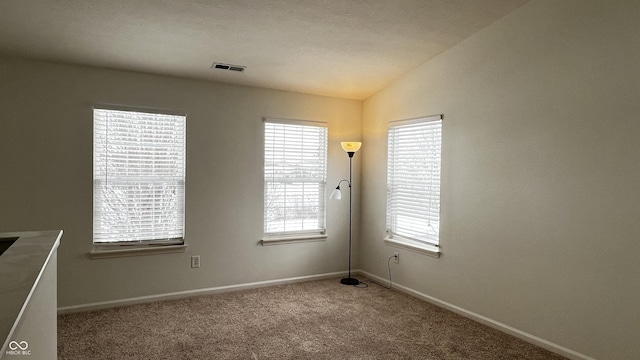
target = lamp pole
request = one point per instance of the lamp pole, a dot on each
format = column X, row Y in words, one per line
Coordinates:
column 349, row 280
column 351, row 148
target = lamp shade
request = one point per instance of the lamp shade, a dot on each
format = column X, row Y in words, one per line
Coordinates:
column 336, row 194
column 351, row 146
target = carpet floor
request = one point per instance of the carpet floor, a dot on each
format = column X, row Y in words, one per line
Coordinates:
column 311, row 320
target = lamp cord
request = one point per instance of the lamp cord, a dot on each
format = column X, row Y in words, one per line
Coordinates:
column 389, row 269
column 377, row 283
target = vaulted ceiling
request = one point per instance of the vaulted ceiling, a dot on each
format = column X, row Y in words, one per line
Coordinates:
column 342, row 48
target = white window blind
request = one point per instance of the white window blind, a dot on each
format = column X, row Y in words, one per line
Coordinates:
column 138, row 177
column 295, row 168
column 413, row 180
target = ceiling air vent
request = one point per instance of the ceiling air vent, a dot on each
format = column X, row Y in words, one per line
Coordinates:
column 230, row 67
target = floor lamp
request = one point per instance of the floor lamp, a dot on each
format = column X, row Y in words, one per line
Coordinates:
column 351, row 148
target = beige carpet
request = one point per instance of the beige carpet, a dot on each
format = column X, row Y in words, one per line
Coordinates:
column 312, row 320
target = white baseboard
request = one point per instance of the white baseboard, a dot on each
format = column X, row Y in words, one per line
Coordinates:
column 532, row 339
column 190, row 293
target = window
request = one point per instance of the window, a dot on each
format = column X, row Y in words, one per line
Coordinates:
column 413, row 182
column 138, row 178
column 295, row 176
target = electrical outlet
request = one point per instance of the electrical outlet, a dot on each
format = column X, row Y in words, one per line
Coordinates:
column 195, row 261
column 396, row 258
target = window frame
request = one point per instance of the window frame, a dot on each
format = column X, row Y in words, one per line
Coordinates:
column 300, row 235
column 106, row 249
column 398, row 239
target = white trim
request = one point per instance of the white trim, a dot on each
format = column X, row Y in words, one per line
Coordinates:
column 191, row 293
column 149, row 110
column 532, row 339
column 415, row 246
column 123, row 251
column 417, row 120
column 280, row 240
column 295, row 122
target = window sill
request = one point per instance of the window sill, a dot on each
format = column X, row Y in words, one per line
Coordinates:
column 292, row 239
column 122, row 251
column 415, row 246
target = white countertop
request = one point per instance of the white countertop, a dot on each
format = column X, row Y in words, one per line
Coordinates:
column 21, row 266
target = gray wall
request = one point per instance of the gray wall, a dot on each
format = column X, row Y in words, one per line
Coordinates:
column 541, row 160
column 46, row 161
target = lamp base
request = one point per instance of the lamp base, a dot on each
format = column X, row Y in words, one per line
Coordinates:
column 349, row 281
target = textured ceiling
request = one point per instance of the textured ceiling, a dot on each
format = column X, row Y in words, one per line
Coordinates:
column 343, row 48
